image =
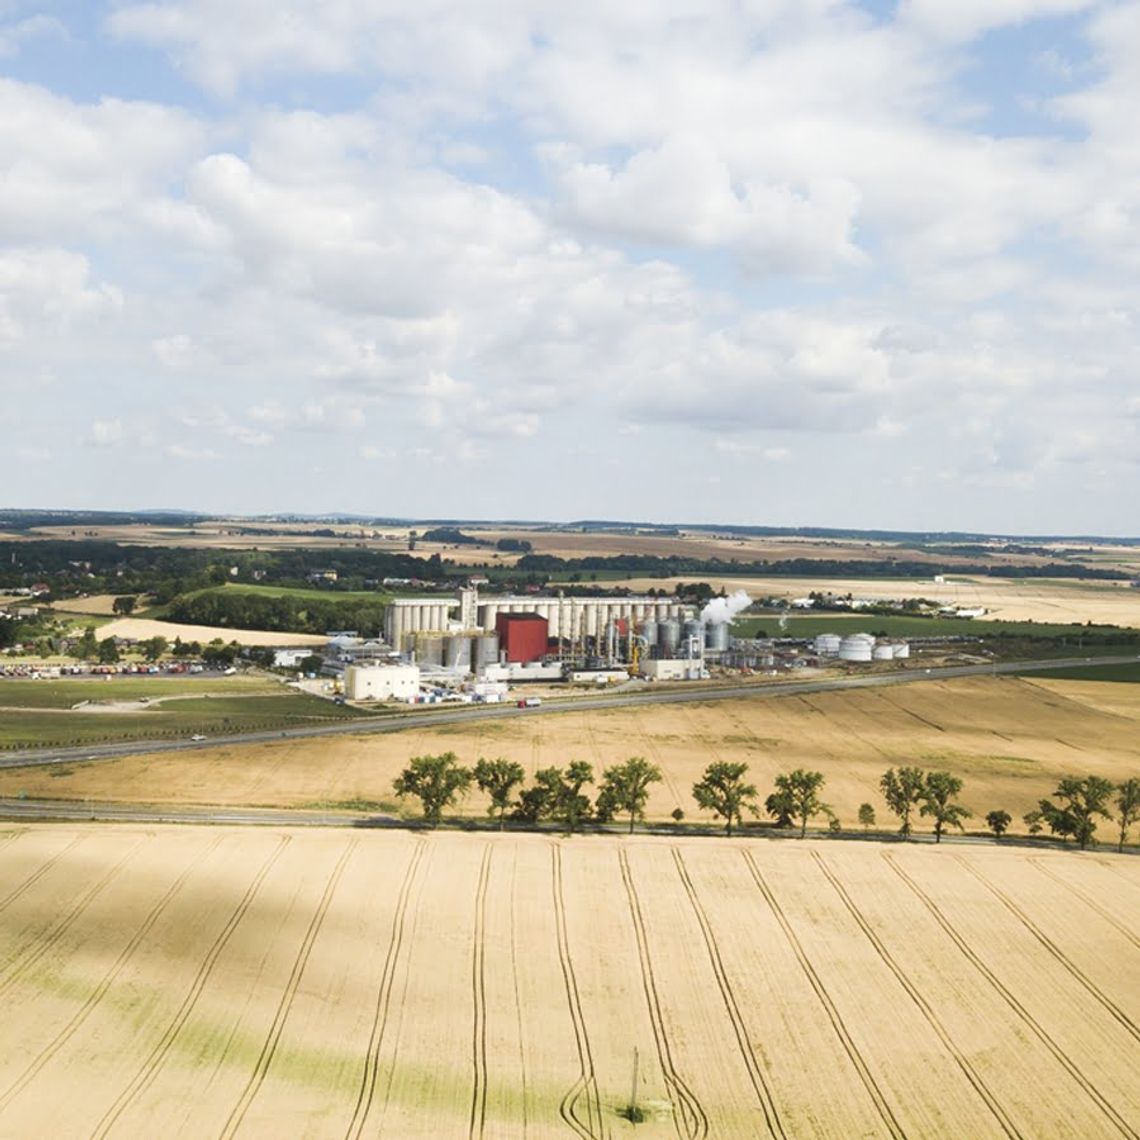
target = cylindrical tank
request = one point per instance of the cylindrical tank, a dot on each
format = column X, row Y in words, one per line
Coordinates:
column 827, row 644
column 429, row 650
column 856, row 647
column 458, row 652
column 669, row 636
column 884, row 651
column 649, row 631
column 486, row 650
column 901, row 649
column 716, row 637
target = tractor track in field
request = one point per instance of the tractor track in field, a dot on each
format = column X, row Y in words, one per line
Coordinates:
column 1108, row 916
column 587, row 1084
column 38, row 874
column 151, row 1067
column 1026, row 1017
column 367, row 1091
column 878, row 1097
column 478, row 1117
column 515, row 987
column 755, row 1073
column 1090, row 987
column 931, row 1015
column 269, row 1048
column 45, row 942
column 655, row 754
column 100, row 991
column 690, row 1121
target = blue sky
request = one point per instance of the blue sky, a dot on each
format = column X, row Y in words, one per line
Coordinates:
column 812, row 262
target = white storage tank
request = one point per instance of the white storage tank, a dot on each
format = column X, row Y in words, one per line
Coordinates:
column 827, row 644
column 856, row 647
column 884, row 651
column 901, row 649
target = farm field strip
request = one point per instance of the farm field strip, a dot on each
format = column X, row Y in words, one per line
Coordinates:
column 949, row 983
column 1078, row 974
column 341, row 984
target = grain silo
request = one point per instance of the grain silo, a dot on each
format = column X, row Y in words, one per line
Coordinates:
column 716, row 637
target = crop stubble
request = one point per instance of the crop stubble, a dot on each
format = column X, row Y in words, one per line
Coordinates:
column 263, row 983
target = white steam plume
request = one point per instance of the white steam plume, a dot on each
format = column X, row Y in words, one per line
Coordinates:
column 721, row 610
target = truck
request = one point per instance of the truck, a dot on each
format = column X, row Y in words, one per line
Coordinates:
column 530, row 702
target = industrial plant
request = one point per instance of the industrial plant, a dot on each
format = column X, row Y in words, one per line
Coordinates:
column 482, row 646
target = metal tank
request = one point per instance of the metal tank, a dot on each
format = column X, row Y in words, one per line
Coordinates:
column 649, row 630
column 716, row 637
column 486, row 650
column 856, row 647
column 457, row 651
column 901, row 649
column 429, row 649
column 669, row 636
column 884, row 651
column 827, row 644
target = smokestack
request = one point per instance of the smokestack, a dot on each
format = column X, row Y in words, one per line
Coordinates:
column 722, row 610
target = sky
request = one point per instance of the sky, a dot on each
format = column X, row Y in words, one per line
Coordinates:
column 778, row 262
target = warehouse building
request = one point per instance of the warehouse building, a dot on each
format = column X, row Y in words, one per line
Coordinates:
column 381, row 682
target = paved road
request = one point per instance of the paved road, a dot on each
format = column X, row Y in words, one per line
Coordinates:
column 651, row 695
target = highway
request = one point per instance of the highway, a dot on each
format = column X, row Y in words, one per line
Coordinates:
column 651, row 695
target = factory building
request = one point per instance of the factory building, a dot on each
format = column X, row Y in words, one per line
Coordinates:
column 572, row 620
column 522, row 637
column 381, row 682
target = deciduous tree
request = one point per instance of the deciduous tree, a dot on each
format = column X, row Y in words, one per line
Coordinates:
column 800, row 790
column 123, row 605
column 902, row 789
column 557, row 794
column 437, row 781
column 938, row 794
column 625, row 787
column 998, row 822
column 1080, row 800
column 723, row 791
column 866, row 816
column 499, row 778
column 1128, row 804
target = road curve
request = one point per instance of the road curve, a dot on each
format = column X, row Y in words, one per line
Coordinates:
column 398, row 722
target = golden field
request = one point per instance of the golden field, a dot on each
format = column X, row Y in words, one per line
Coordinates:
column 1011, row 739
column 338, row 983
column 1061, row 601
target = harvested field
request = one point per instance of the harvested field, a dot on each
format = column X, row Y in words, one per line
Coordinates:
column 1062, row 601
column 1011, row 739
column 227, row 982
column 138, row 629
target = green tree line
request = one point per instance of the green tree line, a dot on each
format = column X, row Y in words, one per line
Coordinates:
column 559, row 795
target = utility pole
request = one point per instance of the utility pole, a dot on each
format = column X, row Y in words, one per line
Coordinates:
column 633, row 1089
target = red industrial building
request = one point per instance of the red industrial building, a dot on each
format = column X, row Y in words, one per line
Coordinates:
column 522, row 637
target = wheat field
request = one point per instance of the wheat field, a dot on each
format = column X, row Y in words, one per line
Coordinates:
column 274, row 982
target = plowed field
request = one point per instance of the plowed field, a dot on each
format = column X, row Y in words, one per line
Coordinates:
column 221, row 982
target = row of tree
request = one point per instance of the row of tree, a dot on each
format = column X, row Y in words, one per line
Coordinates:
column 558, row 795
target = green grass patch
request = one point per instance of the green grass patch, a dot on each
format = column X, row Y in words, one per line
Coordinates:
column 808, row 625
column 32, row 727
column 66, row 692
column 389, row 807
column 302, row 593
